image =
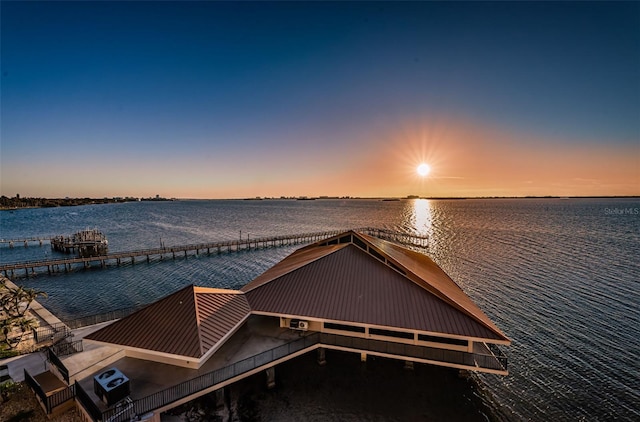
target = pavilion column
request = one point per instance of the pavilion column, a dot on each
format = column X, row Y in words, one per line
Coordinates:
column 321, row 356
column 271, row 377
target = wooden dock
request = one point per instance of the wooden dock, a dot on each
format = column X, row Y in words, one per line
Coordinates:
column 27, row 241
column 67, row 264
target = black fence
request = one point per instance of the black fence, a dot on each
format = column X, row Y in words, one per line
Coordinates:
column 67, row 348
column 50, row 333
column 489, row 361
column 52, row 401
column 127, row 411
column 33, row 384
column 55, row 361
column 103, row 317
column 85, row 401
column 192, row 386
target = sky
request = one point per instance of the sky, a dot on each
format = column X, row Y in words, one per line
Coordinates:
column 235, row 100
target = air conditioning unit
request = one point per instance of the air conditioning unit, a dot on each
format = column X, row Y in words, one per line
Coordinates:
column 297, row 324
column 111, row 386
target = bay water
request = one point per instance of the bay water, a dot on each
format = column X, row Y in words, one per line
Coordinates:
column 561, row 278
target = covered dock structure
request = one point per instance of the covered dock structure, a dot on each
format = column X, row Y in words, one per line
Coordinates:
column 351, row 292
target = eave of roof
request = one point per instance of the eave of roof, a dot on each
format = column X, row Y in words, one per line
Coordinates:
column 349, row 285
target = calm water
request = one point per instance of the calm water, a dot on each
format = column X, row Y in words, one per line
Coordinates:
column 559, row 277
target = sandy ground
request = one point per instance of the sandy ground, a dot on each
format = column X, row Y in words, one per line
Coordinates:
column 348, row 390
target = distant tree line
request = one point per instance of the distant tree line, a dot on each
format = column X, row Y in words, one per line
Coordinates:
column 18, row 202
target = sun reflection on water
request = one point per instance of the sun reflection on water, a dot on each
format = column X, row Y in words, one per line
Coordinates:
column 421, row 217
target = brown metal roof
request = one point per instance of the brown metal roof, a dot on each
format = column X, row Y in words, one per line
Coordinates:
column 337, row 282
column 348, row 284
column 186, row 323
column 429, row 275
column 297, row 259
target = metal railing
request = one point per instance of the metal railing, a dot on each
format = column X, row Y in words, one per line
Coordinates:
column 192, row 386
column 60, row 397
column 67, row 348
column 51, row 333
column 55, row 361
column 187, row 388
column 102, row 317
column 85, row 401
column 35, row 386
column 52, row 401
column 495, row 362
column 230, row 245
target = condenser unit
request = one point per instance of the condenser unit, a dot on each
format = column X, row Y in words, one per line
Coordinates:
column 297, row 324
column 111, row 386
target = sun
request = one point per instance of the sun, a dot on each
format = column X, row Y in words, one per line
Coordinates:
column 423, row 169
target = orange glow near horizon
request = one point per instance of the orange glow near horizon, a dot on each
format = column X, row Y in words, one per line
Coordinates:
column 466, row 159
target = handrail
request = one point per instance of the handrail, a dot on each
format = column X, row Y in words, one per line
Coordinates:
column 202, row 382
column 55, row 361
column 35, row 386
column 177, row 392
column 378, row 232
column 85, row 401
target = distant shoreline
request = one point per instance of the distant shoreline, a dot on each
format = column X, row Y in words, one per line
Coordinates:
column 12, row 204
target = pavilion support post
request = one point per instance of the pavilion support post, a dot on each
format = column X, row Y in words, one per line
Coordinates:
column 220, row 398
column 322, row 360
column 271, row 377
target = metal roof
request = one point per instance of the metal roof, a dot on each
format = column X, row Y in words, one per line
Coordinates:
column 350, row 285
column 351, row 277
column 186, row 323
column 425, row 272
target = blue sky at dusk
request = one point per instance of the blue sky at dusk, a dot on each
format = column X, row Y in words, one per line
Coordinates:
column 224, row 100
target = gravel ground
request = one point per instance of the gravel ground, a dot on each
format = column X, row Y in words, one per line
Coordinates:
column 22, row 406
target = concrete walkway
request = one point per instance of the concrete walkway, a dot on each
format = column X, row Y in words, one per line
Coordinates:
column 36, row 362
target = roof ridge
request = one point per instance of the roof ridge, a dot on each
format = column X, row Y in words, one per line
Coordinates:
column 198, row 322
column 481, row 318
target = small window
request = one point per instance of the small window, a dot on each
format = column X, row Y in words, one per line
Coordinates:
column 358, row 242
column 376, row 254
column 445, row 340
column 345, row 239
column 395, row 267
column 344, row 327
column 389, row 333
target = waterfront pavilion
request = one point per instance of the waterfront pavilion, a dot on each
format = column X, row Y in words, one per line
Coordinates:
column 352, row 292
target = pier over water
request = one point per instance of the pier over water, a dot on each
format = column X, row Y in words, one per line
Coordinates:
column 14, row 269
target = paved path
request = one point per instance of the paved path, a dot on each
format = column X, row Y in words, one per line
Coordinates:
column 36, row 362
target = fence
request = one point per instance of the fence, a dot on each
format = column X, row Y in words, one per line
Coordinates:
column 419, row 352
column 85, row 401
column 210, row 379
column 65, row 349
column 51, row 333
column 55, row 361
column 103, row 317
column 52, row 401
column 187, row 388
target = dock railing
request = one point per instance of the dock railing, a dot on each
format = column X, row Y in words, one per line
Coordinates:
column 206, row 381
column 53, row 265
